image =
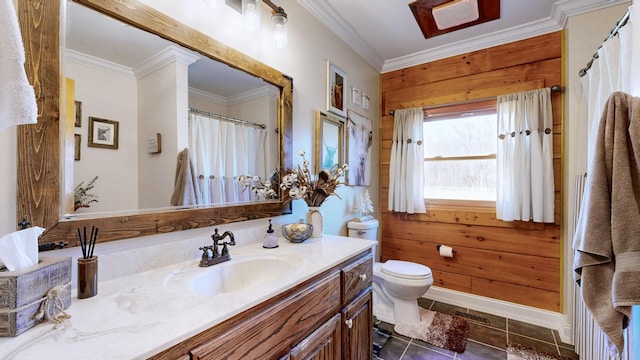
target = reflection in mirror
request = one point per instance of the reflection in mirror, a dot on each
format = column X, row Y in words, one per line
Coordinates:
column 42, row 199
column 151, row 86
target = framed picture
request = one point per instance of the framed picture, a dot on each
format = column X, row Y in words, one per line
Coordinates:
column 78, row 121
column 103, row 133
column 355, row 96
column 365, row 101
column 359, row 141
column 336, row 89
column 329, row 142
column 78, row 142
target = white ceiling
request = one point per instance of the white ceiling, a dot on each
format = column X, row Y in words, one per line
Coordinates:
column 96, row 40
column 387, row 36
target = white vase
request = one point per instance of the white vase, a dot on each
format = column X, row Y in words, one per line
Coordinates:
column 315, row 218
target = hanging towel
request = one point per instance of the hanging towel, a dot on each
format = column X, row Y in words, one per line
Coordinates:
column 607, row 239
column 185, row 191
column 17, row 98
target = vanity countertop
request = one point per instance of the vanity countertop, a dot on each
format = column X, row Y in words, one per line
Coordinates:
column 139, row 315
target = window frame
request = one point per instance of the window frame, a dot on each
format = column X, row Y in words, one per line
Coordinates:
column 482, row 107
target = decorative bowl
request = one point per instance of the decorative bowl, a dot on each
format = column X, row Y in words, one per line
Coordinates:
column 297, row 233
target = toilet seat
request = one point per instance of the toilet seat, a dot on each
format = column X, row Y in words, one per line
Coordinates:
column 406, row 270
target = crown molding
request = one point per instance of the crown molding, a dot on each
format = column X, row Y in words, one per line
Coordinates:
column 235, row 99
column 473, row 44
column 207, row 96
column 166, row 56
column 560, row 12
column 98, row 64
column 322, row 11
column 253, row 94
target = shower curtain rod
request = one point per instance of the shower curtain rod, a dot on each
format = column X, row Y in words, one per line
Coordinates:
column 614, row 32
column 226, row 118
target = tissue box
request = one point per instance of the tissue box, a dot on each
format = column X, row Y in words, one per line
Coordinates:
column 21, row 290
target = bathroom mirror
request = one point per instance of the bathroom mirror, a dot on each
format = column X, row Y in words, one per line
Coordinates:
column 45, row 153
column 116, row 71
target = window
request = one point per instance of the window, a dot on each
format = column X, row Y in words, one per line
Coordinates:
column 460, row 153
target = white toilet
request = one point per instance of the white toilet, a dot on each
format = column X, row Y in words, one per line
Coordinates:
column 397, row 285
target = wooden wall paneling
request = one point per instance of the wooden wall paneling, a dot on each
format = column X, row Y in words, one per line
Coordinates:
column 476, row 236
column 535, row 49
column 466, row 216
column 451, row 281
column 539, row 298
column 513, row 261
column 449, row 68
column 526, row 270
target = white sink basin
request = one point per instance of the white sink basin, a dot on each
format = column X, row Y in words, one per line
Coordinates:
column 242, row 273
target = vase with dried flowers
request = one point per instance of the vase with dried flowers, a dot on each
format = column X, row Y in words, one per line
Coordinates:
column 300, row 183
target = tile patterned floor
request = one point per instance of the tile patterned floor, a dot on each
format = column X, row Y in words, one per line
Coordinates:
column 488, row 338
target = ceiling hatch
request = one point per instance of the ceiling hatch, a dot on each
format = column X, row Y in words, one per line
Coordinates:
column 437, row 17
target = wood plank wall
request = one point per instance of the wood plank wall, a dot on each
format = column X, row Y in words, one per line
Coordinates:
column 519, row 262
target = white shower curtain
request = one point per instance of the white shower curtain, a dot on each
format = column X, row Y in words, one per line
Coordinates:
column 525, row 184
column 223, row 150
column 610, row 72
column 406, row 168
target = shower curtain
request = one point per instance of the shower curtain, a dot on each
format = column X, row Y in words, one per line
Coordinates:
column 611, row 71
column 221, row 151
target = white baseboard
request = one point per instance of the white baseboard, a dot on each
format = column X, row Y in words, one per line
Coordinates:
column 527, row 314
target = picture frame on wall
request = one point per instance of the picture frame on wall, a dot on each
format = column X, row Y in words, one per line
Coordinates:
column 77, row 143
column 336, row 90
column 365, row 101
column 329, row 141
column 355, row 96
column 103, row 133
column 78, row 108
column 359, row 141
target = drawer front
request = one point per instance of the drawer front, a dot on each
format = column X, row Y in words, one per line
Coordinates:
column 270, row 334
column 356, row 277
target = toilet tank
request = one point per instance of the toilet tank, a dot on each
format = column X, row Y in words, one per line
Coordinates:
column 365, row 230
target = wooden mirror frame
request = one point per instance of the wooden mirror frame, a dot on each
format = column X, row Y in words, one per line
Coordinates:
column 45, row 149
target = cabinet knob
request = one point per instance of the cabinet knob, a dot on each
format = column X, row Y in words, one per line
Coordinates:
column 363, row 277
column 349, row 323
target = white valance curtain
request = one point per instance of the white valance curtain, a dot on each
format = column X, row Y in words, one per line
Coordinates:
column 221, row 151
column 525, row 184
column 406, row 178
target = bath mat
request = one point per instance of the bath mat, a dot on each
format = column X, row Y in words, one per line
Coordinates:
column 521, row 352
column 438, row 329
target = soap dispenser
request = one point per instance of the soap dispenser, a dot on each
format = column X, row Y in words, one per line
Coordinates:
column 270, row 240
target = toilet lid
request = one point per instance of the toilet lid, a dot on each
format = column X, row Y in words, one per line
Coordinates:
column 406, row 269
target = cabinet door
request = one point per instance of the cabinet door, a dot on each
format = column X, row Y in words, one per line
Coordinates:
column 357, row 329
column 322, row 344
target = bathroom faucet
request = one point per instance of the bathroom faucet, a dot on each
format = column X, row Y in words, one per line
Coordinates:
column 211, row 255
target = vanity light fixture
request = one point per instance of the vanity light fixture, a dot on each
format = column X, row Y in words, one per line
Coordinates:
column 251, row 15
column 279, row 20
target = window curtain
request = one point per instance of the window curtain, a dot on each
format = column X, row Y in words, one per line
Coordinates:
column 406, row 178
column 525, row 184
column 221, row 151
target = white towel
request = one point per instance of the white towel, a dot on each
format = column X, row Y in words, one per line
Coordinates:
column 17, row 98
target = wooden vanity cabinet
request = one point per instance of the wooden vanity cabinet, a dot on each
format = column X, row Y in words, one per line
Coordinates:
column 306, row 322
column 357, row 309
